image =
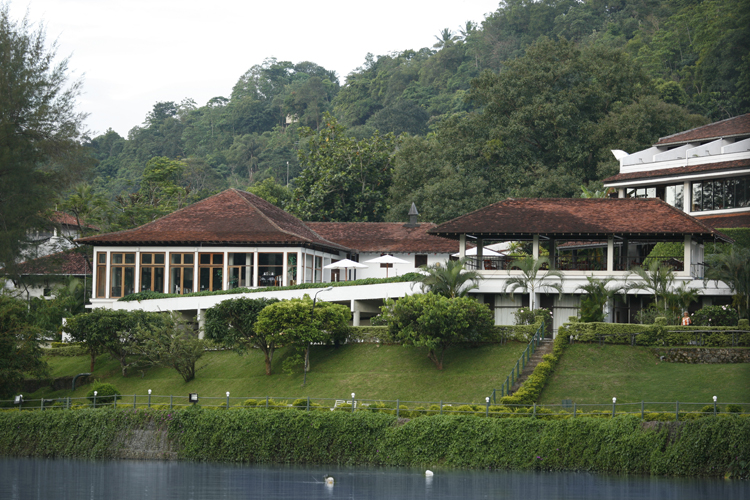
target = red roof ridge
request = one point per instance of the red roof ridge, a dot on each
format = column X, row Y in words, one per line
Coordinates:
column 706, row 126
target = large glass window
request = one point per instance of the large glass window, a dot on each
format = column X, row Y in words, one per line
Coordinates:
column 721, row 194
column 211, row 269
column 673, row 196
column 101, row 274
column 181, row 273
column 308, row 268
column 122, row 280
column 270, row 269
column 240, row 270
column 318, row 269
column 152, row 272
column 291, row 267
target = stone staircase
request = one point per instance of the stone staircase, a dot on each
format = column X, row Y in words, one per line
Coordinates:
column 545, row 347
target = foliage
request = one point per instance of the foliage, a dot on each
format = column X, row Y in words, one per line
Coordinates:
column 437, row 322
column 732, row 268
column 450, row 279
column 147, row 295
column 40, row 132
column 20, row 352
column 232, row 323
column 295, row 323
column 174, row 344
column 271, row 191
column 532, row 387
column 653, row 334
column 113, row 331
column 531, row 281
column 715, row 316
column 105, row 393
column 526, row 316
column 655, row 278
column 621, row 445
column 651, row 314
column 597, row 295
column 343, row 179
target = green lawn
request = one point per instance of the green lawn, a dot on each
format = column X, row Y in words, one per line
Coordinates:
column 372, row 371
column 589, row 373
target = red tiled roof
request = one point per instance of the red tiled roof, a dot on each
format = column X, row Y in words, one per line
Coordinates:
column 68, row 220
column 514, row 218
column 670, row 172
column 384, row 237
column 726, row 220
column 739, row 125
column 67, row 263
column 231, row 217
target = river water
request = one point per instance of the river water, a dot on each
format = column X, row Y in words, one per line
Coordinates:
column 64, row 479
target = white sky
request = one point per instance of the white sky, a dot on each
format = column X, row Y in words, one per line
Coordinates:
column 134, row 53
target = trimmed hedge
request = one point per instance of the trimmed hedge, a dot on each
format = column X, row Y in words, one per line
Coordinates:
column 149, row 295
column 706, row 446
column 651, row 335
column 532, row 387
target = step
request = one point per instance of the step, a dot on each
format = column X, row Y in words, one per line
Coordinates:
column 545, row 347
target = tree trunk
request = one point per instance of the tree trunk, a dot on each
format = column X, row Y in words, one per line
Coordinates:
column 93, row 360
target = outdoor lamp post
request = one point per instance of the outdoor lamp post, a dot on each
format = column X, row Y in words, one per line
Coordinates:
column 614, row 401
column 714, row 405
column 227, row 400
column 19, row 401
column 487, row 411
column 193, row 398
column 312, row 317
column 149, row 398
column 95, row 393
column 353, row 403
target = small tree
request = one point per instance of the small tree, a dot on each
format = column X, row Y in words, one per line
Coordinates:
column 291, row 322
column 437, row 323
column 174, row 344
column 598, row 294
column 450, row 279
column 656, row 278
column 113, row 331
column 531, row 281
column 20, row 353
column 232, row 323
column 733, row 269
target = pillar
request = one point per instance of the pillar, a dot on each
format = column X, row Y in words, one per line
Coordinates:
column 610, row 253
column 462, row 246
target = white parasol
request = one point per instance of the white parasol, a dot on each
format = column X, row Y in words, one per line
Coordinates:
column 345, row 264
column 387, row 259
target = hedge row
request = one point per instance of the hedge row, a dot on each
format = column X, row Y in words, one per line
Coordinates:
column 532, row 387
column 651, row 335
column 701, row 447
column 520, row 333
column 149, row 295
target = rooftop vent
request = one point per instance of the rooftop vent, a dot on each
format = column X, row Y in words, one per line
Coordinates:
column 413, row 215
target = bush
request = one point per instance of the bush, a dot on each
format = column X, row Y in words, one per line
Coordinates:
column 734, row 409
column 710, row 409
column 525, row 316
column 715, row 316
column 105, row 393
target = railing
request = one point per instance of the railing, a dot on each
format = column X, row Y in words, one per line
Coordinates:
column 566, row 262
column 515, row 372
column 674, row 410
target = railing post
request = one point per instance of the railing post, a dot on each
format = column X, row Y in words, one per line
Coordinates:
column 574, row 410
column 266, row 402
column 114, row 405
column 534, row 410
column 67, row 403
column 134, row 398
column 308, row 404
column 170, row 402
column 642, row 417
column 677, row 411
column 397, row 408
column 42, row 403
column 441, row 407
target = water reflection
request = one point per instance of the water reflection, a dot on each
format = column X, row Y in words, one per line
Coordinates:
column 80, row 479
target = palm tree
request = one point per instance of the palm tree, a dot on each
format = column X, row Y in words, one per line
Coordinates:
column 656, row 278
column 450, row 280
column 445, row 38
column 682, row 297
column 530, row 280
column 597, row 296
column 732, row 268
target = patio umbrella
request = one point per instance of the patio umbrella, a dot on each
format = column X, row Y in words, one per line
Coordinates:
column 486, row 252
column 387, row 259
column 345, row 264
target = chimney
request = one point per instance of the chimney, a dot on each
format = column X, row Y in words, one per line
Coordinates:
column 413, row 215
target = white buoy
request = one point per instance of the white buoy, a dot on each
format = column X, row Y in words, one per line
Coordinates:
column 328, row 480
column 428, row 473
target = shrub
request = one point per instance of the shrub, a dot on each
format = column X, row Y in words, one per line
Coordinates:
column 715, row 316
column 525, row 316
column 710, row 409
column 734, row 409
column 105, row 393
column 252, row 402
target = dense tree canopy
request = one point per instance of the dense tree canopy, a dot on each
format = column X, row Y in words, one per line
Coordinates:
column 40, row 131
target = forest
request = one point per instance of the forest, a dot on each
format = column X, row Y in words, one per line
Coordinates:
column 527, row 103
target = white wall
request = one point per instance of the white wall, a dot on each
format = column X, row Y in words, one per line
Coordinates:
column 375, row 271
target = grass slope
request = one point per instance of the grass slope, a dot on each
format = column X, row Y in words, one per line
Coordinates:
column 589, row 373
column 372, row 371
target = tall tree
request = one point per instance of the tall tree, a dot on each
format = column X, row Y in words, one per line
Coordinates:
column 20, row 352
column 533, row 278
column 343, row 179
column 40, row 130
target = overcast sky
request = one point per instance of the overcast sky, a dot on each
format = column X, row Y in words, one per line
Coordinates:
column 135, row 53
